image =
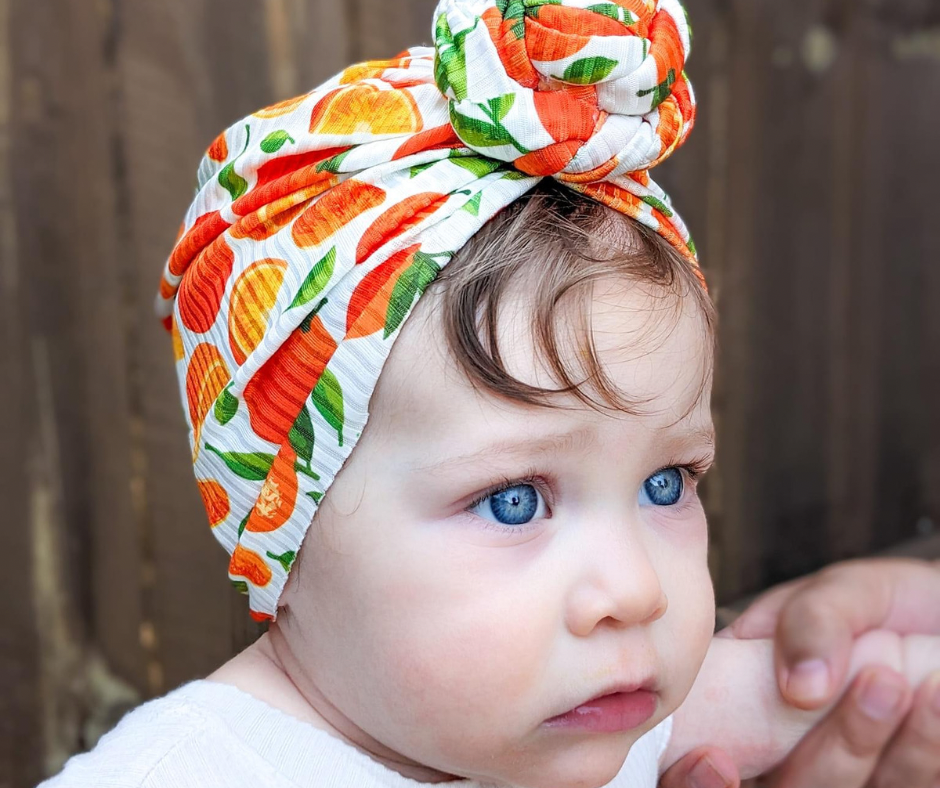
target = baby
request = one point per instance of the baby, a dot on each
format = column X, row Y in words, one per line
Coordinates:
column 478, row 397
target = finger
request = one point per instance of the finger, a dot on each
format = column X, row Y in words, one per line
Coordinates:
column 817, row 627
column 760, row 618
column 843, row 750
column 912, row 758
column 705, row 767
column 820, row 620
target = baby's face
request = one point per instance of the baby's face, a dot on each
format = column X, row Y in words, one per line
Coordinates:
column 449, row 627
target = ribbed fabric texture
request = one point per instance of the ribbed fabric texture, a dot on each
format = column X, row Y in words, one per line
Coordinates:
column 319, row 222
column 211, row 735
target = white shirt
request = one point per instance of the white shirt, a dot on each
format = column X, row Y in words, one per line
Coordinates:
column 211, row 735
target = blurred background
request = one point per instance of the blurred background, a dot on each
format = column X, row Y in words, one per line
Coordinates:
column 810, row 185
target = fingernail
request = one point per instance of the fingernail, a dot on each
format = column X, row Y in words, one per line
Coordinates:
column 880, row 699
column 809, row 680
column 705, row 775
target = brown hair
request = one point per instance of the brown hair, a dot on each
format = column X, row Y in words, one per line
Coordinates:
column 561, row 243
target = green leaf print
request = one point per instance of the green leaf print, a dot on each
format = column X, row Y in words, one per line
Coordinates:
column 333, row 163
column 659, row 205
column 662, row 90
column 472, row 206
column 226, row 406
column 253, row 466
column 308, row 320
column 240, row 585
column 410, row 284
column 614, row 11
column 450, row 65
column 589, row 70
column 244, row 523
column 301, row 435
column 415, row 171
column 317, row 496
column 275, row 141
column 230, row 180
column 480, row 134
column 500, row 106
column 328, row 399
column 477, row 165
column 515, row 11
column 427, row 272
column 286, row 560
column 316, row 280
column 403, row 296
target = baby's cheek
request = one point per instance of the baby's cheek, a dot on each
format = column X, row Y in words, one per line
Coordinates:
column 689, row 622
column 465, row 671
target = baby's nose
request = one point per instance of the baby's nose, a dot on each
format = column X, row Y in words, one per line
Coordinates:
column 619, row 587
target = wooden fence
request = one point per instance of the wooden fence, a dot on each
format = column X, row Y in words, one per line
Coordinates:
column 810, row 184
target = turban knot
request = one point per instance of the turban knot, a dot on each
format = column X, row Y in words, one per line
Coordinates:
column 577, row 89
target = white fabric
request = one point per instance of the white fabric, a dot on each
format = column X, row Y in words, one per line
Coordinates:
column 211, row 735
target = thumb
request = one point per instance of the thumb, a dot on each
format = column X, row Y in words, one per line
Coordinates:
column 705, row 767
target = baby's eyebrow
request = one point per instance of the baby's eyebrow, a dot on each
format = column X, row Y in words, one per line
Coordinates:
column 699, row 435
column 577, row 440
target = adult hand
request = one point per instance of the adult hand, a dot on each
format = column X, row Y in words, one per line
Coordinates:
column 866, row 740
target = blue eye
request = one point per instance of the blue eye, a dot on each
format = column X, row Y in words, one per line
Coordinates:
column 664, row 488
column 516, row 505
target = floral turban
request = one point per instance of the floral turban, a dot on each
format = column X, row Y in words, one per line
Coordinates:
column 319, row 221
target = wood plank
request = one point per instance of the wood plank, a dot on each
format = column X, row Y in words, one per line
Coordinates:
column 735, row 145
column 202, row 76
column 79, row 506
column 379, row 34
column 909, row 460
column 322, row 42
column 856, row 290
column 21, row 735
column 89, row 247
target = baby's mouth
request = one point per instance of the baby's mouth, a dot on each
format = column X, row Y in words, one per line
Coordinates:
column 611, row 712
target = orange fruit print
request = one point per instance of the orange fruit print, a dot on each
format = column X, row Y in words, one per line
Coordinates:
column 218, row 151
column 248, row 564
column 367, row 109
column 205, row 229
column 278, row 496
column 397, row 220
column 206, row 376
column 205, row 282
column 278, row 390
column 215, row 499
column 179, row 352
column 333, row 210
column 281, row 108
column 253, row 296
column 666, row 47
column 370, row 302
column 280, row 178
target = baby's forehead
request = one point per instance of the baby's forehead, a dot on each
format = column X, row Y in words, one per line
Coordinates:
column 653, row 346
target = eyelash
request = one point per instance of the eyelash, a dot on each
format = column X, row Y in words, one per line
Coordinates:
column 694, row 470
column 506, row 483
column 531, row 477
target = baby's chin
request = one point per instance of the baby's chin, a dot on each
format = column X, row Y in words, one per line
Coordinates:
column 585, row 761
column 592, row 763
